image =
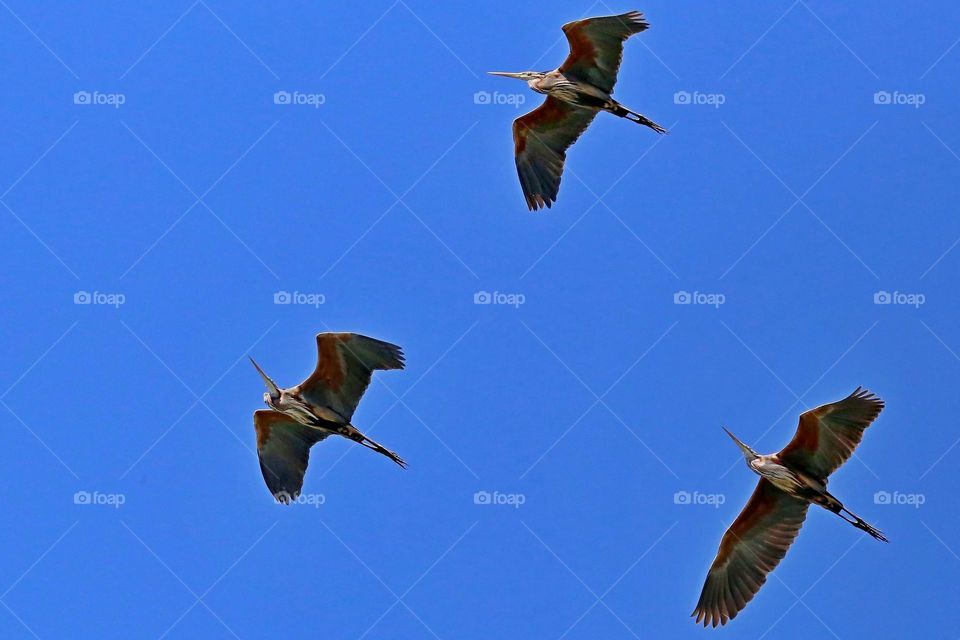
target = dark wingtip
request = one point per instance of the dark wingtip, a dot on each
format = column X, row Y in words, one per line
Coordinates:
column 284, row 497
column 400, row 359
column 537, row 202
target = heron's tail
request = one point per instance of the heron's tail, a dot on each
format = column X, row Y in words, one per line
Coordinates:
column 618, row 109
column 358, row 437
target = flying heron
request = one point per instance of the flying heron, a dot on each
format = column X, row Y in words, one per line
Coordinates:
column 579, row 89
column 790, row 480
column 320, row 406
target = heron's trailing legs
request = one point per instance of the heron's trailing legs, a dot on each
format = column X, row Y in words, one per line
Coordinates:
column 358, row 437
column 860, row 523
column 619, row 110
column 831, row 504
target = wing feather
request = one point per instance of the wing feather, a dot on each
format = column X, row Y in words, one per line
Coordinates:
column 345, row 365
column 596, row 47
column 283, row 447
column 750, row 549
column 541, row 139
column 827, row 436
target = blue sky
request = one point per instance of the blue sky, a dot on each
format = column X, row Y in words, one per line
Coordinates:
column 811, row 171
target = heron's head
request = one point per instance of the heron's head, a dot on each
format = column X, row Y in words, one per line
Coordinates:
column 748, row 453
column 272, row 396
column 526, row 76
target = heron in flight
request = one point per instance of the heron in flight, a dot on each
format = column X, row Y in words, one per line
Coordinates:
column 579, row 89
column 790, row 480
column 320, row 406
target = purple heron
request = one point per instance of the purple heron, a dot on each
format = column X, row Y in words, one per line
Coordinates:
column 790, row 480
column 320, row 406
column 579, row 89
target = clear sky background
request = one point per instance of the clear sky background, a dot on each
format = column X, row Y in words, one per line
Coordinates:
column 788, row 190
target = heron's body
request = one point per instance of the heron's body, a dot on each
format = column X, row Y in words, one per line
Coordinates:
column 798, row 483
column 292, row 404
column 319, row 407
column 576, row 91
column 782, row 476
column 569, row 89
column 580, row 93
column 324, row 420
column 802, row 484
column 790, row 481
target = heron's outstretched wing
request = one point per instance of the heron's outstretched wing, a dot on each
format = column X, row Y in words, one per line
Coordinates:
column 596, row 47
column 541, row 139
column 345, row 363
column 283, row 446
column 750, row 549
column 827, row 435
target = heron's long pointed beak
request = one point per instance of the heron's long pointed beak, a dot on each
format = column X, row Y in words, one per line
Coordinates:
column 747, row 451
column 506, row 74
column 271, row 385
